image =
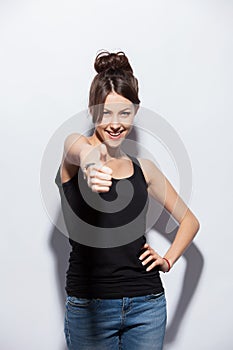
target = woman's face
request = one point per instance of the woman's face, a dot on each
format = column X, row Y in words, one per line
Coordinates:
column 117, row 121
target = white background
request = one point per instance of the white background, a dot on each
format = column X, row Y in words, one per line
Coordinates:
column 182, row 54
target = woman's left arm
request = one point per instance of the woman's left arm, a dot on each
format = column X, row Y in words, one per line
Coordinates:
column 161, row 189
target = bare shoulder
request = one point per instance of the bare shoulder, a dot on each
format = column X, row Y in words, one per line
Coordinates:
column 71, row 144
column 150, row 170
column 73, row 140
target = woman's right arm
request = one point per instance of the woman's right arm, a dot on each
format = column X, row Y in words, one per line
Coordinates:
column 76, row 149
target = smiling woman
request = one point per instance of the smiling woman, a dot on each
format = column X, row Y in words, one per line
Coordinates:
column 104, row 283
column 117, row 120
column 124, row 116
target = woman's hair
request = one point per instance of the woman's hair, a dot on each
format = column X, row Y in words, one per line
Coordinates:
column 115, row 74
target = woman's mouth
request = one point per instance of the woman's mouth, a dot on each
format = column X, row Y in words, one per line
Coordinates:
column 114, row 135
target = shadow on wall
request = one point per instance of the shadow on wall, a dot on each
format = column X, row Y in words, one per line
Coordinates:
column 61, row 249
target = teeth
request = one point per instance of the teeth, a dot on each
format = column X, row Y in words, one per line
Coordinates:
column 114, row 134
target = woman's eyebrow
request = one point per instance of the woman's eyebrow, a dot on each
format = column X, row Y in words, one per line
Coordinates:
column 109, row 110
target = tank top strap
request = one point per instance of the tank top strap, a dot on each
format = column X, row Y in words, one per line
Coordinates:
column 137, row 169
column 134, row 159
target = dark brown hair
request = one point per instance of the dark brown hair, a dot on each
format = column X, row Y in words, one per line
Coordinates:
column 115, row 74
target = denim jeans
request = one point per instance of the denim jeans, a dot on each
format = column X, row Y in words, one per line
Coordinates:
column 128, row 323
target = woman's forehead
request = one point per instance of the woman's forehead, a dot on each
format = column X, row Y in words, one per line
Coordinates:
column 114, row 100
column 118, row 106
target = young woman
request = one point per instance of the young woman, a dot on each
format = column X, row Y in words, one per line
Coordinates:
column 115, row 297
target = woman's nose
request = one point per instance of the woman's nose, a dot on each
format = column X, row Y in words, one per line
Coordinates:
column 115, row 120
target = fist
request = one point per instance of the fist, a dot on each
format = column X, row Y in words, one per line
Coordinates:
column 98, row 175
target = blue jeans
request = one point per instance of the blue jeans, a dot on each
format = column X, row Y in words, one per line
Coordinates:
column 128, row 323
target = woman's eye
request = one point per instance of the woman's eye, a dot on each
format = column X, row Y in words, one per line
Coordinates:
column 122, row 113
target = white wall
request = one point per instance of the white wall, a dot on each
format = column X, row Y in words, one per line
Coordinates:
column 182, row 54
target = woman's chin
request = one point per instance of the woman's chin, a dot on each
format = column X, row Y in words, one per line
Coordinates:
column 113, row 143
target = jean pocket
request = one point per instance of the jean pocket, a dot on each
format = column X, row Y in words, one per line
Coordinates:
column 77, row 304
column 75, row 301
column 155, row 296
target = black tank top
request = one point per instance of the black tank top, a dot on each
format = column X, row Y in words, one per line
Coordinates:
column 113, row 272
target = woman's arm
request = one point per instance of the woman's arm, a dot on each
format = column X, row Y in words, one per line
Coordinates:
column 76, row 147
column 161, row 189
column 80, row 152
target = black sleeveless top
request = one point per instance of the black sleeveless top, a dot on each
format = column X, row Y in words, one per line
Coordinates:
column 107, row 268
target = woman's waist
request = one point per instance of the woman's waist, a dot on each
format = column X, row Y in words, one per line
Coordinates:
column 111, row 273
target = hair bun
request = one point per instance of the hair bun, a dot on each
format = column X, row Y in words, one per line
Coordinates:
column 112, row 61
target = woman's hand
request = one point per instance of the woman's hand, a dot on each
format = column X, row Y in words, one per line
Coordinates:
column 152, row 255
column 97, row 175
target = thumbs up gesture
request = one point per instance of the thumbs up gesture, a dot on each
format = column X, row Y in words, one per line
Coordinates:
column 98, row 175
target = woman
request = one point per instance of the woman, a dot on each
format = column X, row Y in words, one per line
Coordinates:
column 115, row 297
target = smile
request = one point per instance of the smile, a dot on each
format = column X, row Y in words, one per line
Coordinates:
column 114, row 135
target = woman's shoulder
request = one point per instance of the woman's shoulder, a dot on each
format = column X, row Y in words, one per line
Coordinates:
column 149, row 169
column 145, row 168
column 75, row 138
